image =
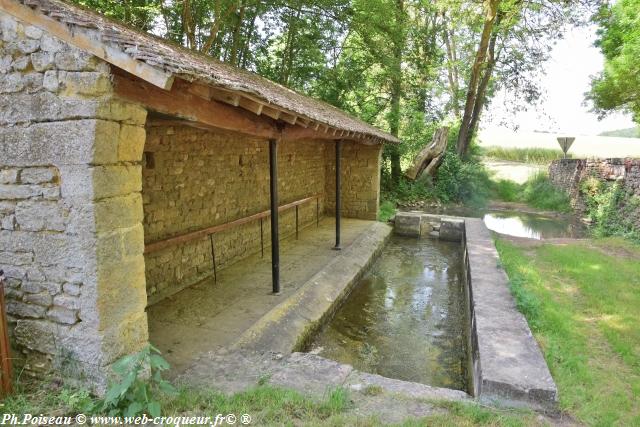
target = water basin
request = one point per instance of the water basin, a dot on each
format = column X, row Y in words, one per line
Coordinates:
column 406, row 318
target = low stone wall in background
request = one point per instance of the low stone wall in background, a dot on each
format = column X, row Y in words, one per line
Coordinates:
column 569, row 174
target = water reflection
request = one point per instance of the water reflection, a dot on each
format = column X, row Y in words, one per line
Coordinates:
column 512, row 226
column 533, row 226
column 406, row 318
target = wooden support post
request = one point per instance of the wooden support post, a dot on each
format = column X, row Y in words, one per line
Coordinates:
column 275, row 240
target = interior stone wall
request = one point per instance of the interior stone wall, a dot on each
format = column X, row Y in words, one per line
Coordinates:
column 193, row 179
column 71, row 237
column 360, row 179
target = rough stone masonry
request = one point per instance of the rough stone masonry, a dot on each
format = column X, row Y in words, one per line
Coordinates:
column 71, row 242
column 77, row 203
column 569, row 174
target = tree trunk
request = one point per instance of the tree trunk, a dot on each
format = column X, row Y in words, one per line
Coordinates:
column 235, row 44
column 464, row 136
column 428, row 160
column 452, row 72
column 396, row 90
column 482, row 88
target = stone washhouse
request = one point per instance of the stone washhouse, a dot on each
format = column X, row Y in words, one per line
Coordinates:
column 121, row 153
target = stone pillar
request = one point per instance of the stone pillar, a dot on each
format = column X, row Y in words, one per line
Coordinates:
column 71, row 235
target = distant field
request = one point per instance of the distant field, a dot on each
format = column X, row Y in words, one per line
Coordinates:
column 584, row 146
column 536, row 156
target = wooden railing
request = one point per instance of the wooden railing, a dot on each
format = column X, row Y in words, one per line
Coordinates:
column 210, row 231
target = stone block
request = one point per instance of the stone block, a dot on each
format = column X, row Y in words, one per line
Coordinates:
column 8, row 222
column 111, row 181
column 451, row 229
column 44, row 106
column 67, row 301
column 19, row 192
column 5, row 63
column 118, row 212
column 33, row 32
column 41, row 216
column 38, row 175
column 72, row 289
column 16, row 258
column 20, row 64
column 38, row 335
column 21, row 309
column 131, row 143
column 50, row 44
column 62, row 315
column 50, row 81
column 408, row 224
column 11, row 83
column 124, row 112
column 84, row 83
column 27, row 46
column 72, row 59
column 61, row 143
column 42, row 298
column 8, row 176
column 33, row 82
column 42, row 61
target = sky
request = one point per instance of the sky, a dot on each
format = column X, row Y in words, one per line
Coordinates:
column 573, row 60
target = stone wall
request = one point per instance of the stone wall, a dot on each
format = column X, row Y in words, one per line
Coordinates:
column 193, row 179
column 360, row 179
column 71, row 237
column 71, row 204
column 568, row 174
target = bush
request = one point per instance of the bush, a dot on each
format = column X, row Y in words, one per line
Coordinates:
column 611, row 210
column 537, row 192
column 462, row 180
column 387, row 210
column 540, row 193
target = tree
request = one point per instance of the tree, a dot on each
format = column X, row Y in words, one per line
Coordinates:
column 618, row 86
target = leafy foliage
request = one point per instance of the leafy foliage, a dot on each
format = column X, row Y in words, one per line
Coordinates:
column 135, row 394
column 618, row 86
column 611, row 209
column 537, row 192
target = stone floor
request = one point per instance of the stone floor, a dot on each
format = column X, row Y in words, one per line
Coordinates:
column 209, row 316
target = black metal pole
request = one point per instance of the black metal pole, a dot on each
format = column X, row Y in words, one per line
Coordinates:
column 338, row 189
column 275, row 243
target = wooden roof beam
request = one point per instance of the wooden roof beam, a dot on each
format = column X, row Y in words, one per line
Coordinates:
column 181, row 103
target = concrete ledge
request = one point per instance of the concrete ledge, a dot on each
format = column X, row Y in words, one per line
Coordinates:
column 510, row 369
column 289, row 325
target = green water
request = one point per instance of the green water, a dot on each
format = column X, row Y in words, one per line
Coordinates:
column 406, row 318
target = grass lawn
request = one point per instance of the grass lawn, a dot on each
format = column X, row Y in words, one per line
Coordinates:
column 582, row 301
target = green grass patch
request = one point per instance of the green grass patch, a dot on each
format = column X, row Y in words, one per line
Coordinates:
column 582, row 303
column 537, row 192
column 538, row 156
